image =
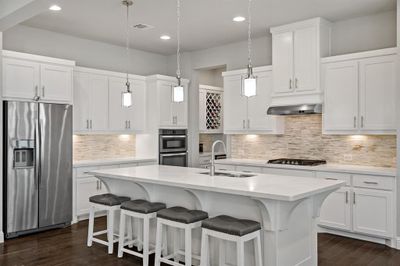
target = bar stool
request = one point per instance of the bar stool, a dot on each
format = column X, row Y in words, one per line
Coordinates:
column 227, row 228
column 140, row 209
column 104, row 202
column 179, row 218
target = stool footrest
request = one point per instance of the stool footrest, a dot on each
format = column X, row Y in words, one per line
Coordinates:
column 100, row 233
column 134, row 253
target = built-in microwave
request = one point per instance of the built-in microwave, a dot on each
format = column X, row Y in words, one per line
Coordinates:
column 173, row 140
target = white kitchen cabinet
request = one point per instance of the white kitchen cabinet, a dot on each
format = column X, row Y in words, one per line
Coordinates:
column 56, row 83
column 360, row 93
column 249, row 169
column 210, row 109
column 37, row 78
column 86, row 188
column 296, row 51
column 90, row 102
column 288, row 172
column 373, row 212
column 336, row 210
column 126, row 118
column 244, row 115
column 162, row 111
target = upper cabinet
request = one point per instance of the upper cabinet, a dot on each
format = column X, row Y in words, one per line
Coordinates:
column 98, row 102
column 210, row 109
column 360, row 93
column 37, row 78
column 296, row 52
column 163, row 112
column 244, row 115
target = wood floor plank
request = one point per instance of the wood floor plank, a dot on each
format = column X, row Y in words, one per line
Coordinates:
column 67, row 246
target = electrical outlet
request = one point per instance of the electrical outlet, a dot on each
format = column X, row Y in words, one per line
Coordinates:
column 348, row 157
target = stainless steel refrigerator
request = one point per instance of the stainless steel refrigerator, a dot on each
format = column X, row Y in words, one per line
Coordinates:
column 37, row 167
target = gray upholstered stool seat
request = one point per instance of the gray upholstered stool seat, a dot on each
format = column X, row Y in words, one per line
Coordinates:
column 230, row 225
column 182, row 215
column 108, row 199
column 142, row 206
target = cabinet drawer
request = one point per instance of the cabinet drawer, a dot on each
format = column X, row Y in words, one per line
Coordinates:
column 103, row 167
column 288, row 172
column 127, row 165
column 376, row 182
column 335, row 176
column 83, row 171
column 249, row 169
column 224, row 167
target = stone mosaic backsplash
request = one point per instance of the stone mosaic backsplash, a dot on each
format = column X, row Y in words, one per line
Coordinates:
column 303, row 139
column 93, row 147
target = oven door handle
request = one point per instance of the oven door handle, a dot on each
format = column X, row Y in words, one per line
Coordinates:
column 173, row 154
column 174, row 137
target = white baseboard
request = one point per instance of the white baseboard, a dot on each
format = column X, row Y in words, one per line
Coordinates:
column 1, row 237
column 398, row 243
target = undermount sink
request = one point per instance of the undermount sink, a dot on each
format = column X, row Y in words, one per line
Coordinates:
column 234, row 175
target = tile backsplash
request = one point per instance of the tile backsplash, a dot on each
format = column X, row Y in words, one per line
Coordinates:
column 93, row 147
column 303, row 139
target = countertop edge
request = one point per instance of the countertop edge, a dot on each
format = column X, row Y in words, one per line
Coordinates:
column 111, row 161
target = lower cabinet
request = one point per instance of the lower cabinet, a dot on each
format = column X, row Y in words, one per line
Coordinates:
column 336, row 210
column 86, row 188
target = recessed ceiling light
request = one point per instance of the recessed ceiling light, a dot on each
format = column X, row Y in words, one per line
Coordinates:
column 239, row 19
column 165, row 37
column 55, row 8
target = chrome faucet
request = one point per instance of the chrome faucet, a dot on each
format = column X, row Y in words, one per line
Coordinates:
column 212, row 167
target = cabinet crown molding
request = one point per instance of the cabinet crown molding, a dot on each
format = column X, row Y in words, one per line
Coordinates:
column 108, row 73
column 244, row 71
column 360, row 55
column 38, row 58
column 301, row 24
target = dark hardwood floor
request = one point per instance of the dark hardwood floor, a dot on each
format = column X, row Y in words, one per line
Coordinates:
column 68, row 247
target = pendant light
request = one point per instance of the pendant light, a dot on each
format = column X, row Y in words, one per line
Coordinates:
column 249, row 84
column 127, row 95
column 178, row 91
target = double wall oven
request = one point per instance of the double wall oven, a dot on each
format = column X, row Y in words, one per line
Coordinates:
column 173, row 147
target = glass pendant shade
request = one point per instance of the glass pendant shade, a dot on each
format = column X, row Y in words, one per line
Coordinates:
column 178, row 94
column 127, row 99
column 250, row 87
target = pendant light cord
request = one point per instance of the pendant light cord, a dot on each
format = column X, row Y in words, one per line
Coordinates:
column 178, row 49
column 127, row 45
column 249, row 33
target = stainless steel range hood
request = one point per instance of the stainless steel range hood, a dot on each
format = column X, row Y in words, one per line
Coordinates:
column 301, row 109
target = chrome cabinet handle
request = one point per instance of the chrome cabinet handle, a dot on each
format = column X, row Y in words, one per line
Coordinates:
column 296, row 81
column 247, row 171
column 354, row 198
column 329, row 178
column 290, row 84
column 91, row 124
column 129, row 124
column 248, row 123
column 355, row 121
column 244, row 124
column 87, row 123
column 37, row 97
column 371, row 183
column 347, row 197
column 362, row 121
column 97, row 185
column 126, row 124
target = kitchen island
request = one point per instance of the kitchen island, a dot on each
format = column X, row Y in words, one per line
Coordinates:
column 287, row 207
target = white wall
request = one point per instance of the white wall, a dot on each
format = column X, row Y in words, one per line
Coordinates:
column 85, row 52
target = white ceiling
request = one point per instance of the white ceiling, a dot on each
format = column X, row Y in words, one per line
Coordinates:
column 205, row 23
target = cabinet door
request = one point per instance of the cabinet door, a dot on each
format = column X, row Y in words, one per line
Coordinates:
column 165, row 102
column 336, row 210
column 373, row 212
column 20, row 79
column 117, row 113
column 306, row 59
column 282, row 57
column 235, row 105
column 202, row 110
column 86, row 187
column 82, row 101
column 99, row 103
column 56, row 83
column 341, row 96
column 179, row 111
column 257, row 106
column 136, row 115
column 378, row 93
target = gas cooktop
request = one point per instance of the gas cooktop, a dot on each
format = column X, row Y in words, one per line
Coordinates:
column 297, row 162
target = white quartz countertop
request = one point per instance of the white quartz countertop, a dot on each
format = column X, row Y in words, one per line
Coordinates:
column 285, row 188
column 357, row 169
column 82, row 163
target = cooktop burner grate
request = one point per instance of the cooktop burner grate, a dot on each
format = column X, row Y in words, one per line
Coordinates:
column 303, row 162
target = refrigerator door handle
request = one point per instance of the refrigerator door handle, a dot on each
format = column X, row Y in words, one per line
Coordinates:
column 39, row 150
column 37, row 155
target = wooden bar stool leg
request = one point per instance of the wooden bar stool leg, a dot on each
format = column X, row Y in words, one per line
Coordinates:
column 159, row 237
column 188, row 246
column 110, row 231
column 204, row 260
column 146, row 231
column 91, row 226
column 121, row 235
column 240, row 252
column 257, row 246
